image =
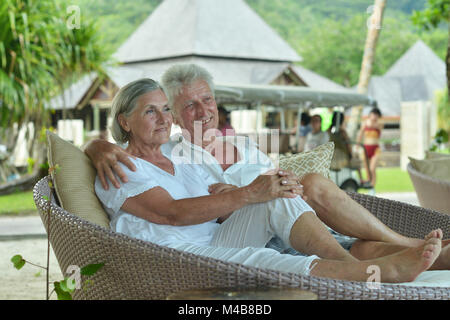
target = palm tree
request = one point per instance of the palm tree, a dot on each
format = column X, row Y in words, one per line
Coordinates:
column 40, row 54
column 374, row 28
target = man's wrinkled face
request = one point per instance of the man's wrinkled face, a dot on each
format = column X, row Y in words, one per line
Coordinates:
column 196, row 104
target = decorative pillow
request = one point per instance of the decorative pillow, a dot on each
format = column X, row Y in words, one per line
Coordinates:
column 314, row 161
column 436, row 155
column 74, row 181
column 438, row 168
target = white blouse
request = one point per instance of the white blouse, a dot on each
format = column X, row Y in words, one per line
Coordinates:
column 189, row 180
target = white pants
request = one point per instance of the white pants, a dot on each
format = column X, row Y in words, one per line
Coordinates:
column 242, row 237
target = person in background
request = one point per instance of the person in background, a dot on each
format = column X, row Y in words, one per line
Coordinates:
column 369, row 135
column 224, row 122
column 342, row 144
column 316, row 137
column 305, row 126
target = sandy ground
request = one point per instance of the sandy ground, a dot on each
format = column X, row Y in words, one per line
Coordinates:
column 27, row 283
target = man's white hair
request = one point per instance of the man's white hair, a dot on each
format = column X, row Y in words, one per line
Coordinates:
column 180, row 75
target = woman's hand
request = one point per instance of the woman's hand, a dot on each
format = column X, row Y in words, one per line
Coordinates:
column 274, row 184
column 105, row 157
column 220, row 188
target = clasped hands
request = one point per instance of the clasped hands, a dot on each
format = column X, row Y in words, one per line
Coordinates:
column 275, row 183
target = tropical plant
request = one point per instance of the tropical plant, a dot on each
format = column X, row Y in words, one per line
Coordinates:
column 436, row 13
column 41, row 53
column 66, row 287
column 443, row 105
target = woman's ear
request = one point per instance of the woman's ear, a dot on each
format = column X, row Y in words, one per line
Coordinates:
column 123, row 122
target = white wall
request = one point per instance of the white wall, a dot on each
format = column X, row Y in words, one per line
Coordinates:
column 418, row 123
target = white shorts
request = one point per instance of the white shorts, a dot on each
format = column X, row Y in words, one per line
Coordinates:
column 243, row 236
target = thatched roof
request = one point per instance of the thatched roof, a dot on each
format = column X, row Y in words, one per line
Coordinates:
column 316, row 81
column 214, row 28
column 414, row 77
column 222, row 70
column 73, row 95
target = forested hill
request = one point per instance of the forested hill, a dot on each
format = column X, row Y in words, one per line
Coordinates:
column 328, row 34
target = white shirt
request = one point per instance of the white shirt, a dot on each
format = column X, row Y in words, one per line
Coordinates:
column 252, row 162
column 314, row 140
column 189, row 180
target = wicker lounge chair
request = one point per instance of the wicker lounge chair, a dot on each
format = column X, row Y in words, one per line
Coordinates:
column 432, row 193
column 135, row 269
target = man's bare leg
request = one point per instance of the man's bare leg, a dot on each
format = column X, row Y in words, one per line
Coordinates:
column 365, row 250
column 341, row 213
column 403, row 266
column 310, row 236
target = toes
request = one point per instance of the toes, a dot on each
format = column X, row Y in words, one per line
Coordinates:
column 435, row 234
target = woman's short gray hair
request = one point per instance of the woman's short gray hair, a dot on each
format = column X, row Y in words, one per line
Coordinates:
column 125, row 102
column 180, row 75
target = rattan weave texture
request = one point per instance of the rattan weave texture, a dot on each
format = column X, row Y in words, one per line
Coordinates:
column 136, row 269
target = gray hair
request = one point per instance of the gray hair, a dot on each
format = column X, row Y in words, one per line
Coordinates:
column 180, row 75
column 125, row 102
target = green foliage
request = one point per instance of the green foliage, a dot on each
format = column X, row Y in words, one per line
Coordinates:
column 18, row 261
column 39, row 55
column 62, row 291
column 443, row 104
column 18, row 203
column 118, row 18
column 439, row 140
column 66, row 287
column 436, row 11
column 329, row 35
column 91, row 269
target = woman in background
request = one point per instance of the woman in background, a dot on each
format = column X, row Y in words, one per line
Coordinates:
column 369, row 134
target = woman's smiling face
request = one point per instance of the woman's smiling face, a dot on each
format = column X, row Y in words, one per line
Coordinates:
column 151, row 121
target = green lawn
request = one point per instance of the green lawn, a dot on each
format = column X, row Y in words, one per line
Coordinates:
column 393, row 180
column 20, row 203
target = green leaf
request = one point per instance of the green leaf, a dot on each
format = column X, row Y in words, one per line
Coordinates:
column 18, row 261
column 91, row 269
column 61, row 294
column 67, row 286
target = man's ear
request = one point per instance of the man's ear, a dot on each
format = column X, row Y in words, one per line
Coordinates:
column 123, row 122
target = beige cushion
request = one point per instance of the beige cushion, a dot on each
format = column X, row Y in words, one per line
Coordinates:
column 438, row 168
column 314, row 161
column 74, row 181
column 436, row 155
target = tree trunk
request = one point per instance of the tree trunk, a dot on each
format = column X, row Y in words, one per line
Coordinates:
column 25, row 183
column 374, row 26
column 447, row 62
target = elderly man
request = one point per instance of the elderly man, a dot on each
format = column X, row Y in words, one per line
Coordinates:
column 190, row 92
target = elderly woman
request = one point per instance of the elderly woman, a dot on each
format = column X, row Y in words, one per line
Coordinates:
column 169, row 204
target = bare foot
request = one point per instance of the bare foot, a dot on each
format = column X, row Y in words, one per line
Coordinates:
column 403, row 266
column 406, row 265
column 443, row 261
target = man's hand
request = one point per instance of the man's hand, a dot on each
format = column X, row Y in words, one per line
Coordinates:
column 292, row 180
column 272, row 185
column 105, row 157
